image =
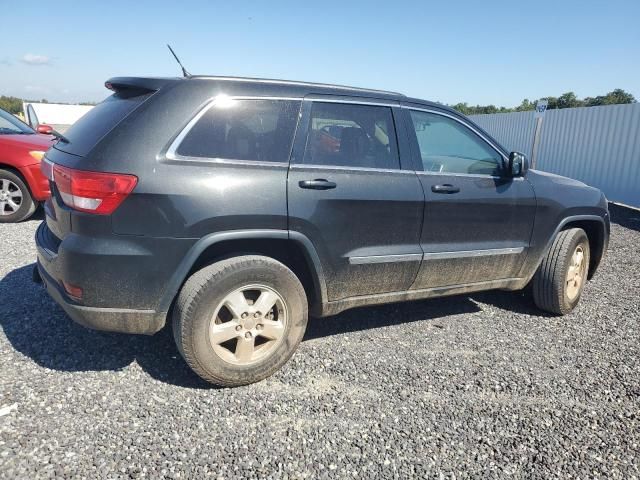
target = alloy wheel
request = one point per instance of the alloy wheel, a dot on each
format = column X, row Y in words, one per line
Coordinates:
column 10, row 197
column 248, row 324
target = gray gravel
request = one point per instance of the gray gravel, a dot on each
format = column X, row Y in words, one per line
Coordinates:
column 474, row 386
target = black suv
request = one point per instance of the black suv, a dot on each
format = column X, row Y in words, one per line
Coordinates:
column 235, row 206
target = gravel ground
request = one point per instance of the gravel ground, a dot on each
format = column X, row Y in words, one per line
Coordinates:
column 474, row 386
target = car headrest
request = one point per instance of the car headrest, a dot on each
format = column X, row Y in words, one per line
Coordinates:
column 354, row 142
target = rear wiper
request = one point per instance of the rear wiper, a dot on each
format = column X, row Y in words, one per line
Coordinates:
column 59, row 136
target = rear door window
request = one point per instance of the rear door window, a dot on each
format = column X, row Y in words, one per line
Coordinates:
column 97, row 122
column 250, row 130
column 352, row 135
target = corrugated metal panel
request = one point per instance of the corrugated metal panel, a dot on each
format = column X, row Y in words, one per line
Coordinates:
column 597, row 145
column 514, row 131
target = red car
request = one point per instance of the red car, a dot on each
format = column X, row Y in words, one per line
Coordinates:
column 22, row 185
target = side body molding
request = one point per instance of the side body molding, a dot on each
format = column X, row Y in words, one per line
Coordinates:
column 205, row 242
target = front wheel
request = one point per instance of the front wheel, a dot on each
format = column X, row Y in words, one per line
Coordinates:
column 562, row 275
column 16, row 203
column 239, row 320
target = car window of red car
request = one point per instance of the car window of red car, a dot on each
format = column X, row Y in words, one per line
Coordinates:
column 11, row 125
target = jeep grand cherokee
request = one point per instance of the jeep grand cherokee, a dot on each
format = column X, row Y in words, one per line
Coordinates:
column 232, row 207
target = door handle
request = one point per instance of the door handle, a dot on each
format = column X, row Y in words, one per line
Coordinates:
column 317, row 184
column 444, row 188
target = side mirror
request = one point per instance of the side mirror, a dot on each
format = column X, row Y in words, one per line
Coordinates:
column 43, row 128
column 518, row 164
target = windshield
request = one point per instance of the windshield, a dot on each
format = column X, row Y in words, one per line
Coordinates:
column 11, row 125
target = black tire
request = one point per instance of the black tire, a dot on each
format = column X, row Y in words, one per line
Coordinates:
column 202, row 294
column 26, row 204
column 550, row 281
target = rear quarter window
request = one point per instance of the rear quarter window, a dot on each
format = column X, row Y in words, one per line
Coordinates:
column 250, row 130
column 97, row 122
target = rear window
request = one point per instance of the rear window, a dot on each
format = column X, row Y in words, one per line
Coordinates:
column 253, row 130
column 97, row 122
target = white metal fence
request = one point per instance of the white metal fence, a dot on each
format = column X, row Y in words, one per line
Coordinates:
column 597, row 145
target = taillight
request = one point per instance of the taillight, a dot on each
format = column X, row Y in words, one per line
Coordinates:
column 93, row 192
column 46, row 167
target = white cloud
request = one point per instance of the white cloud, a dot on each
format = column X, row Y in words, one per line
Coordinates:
column 32, row 59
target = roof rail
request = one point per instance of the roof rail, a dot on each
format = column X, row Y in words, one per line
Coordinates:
column 294, row 82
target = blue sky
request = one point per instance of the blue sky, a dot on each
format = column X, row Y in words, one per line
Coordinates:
column 496, row 52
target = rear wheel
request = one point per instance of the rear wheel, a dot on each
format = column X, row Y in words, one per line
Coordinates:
column 561, row 277
column 16, row 203
column 239, row 320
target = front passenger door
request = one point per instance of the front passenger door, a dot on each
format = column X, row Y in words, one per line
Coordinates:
column 477, row 221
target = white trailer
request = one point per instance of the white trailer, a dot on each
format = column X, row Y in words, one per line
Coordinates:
column 59, row 116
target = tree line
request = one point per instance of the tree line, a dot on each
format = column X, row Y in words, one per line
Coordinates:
column 566, row 100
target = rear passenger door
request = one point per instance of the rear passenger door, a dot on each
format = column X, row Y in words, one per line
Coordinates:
column 352, row 192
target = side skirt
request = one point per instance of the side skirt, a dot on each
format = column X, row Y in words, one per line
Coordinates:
column 335, row 307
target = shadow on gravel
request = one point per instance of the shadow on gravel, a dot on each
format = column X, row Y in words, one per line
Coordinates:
column 36, row 327
column 39, row 329
column 625, row 217
column 367, row 318
column 516, row 302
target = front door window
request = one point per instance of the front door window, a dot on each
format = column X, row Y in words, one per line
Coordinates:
column 447, row 146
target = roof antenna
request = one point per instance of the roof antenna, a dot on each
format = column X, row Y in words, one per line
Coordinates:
column 184, row 70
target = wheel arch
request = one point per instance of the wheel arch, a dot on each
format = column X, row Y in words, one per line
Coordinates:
column 596, row 230
column 291, row 248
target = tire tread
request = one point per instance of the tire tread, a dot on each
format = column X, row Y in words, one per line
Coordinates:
column 548, row 281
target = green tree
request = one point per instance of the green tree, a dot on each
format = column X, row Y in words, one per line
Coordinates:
column 525, row 106
column 569, row 100
column 615, row 97
column 552, row 102
column 11, row 104
column 462, row 108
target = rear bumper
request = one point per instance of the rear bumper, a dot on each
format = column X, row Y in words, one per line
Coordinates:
column 53, row 267
column 145, row 322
